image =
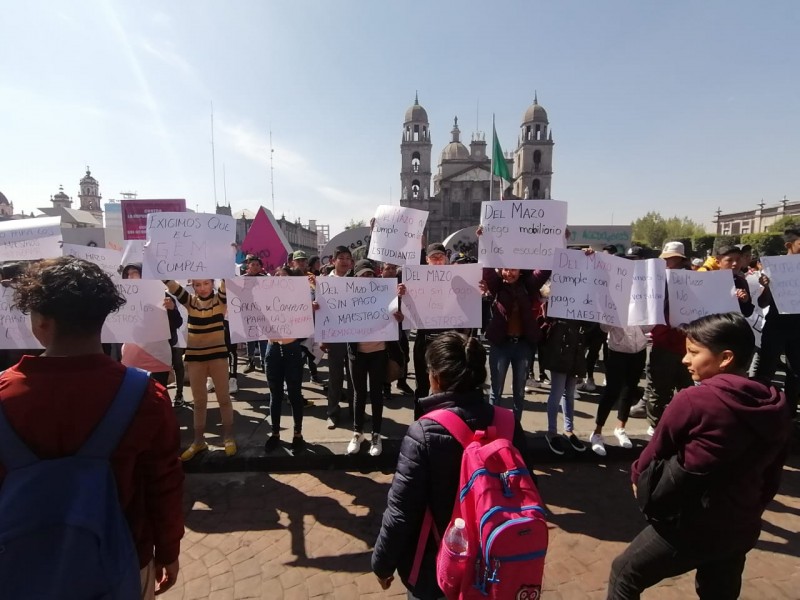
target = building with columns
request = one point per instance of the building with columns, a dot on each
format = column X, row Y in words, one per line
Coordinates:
column 755, row 221
column 462, row 179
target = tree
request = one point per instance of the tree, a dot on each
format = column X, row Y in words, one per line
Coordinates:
column 353, row 224
column 654, row 230
column 784, row 223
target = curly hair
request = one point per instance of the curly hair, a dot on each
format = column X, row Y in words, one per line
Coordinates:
column 77, row 294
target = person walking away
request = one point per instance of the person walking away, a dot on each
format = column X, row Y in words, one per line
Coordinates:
column 712, row 467
column 47, row 413
column 429, row 464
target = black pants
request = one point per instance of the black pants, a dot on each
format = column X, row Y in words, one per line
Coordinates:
column 595, row 341
column 666, row 375
column 623, row 372
column 180, row 370
column 651, row 558
column 404, row 346
column 372, row 366
column 285, row 364
column 777, row 340
column 310, row 361
column 338, row 374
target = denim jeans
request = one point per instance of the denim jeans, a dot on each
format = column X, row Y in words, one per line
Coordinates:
column 261, row 346
column 518, row 354
column 562, row 392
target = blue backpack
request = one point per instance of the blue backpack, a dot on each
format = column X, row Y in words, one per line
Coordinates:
column 62, row 530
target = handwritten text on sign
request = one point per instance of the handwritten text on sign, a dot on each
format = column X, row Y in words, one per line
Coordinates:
column 442, row 297
column 15, row 327
column 30, row 239
column 397, row 235
column 647, row 292
column 269, row 308
column 143, row 318
column 784, row 281
column 696, row 294
column 593, row 288
column 105, row 258
column 355, row 309
column 521, row 234
column 193, row 245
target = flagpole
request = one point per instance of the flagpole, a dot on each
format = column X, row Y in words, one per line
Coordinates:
column 491, row 169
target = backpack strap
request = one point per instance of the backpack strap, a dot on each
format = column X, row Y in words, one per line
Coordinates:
column 108, row 433
column 505, row 422
column 14, row 453
column 428, row 527
column 453, row 423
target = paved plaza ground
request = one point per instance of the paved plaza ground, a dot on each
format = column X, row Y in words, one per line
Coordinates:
column 279, row 526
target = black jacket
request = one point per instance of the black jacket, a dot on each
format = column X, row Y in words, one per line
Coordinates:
column 427, row 475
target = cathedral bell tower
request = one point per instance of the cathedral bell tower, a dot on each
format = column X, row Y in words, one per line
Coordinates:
column 415, row 150
column 533, row 159
column 90, row 196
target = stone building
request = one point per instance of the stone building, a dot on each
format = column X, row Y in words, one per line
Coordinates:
column 462, row 179
column 6, row 207
column 755, row 221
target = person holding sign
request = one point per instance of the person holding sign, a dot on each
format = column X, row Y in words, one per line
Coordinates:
column 367, row 362
column 729, row 258
column 713, row 465
column 513, row 329
column 781, row 333
column 284, row 366
column 206, row 356
column 154, row 357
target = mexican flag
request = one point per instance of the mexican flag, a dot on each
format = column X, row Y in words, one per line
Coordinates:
column 499, row 165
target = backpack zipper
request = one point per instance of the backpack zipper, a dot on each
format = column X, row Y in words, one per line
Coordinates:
column 487, row 515
column 503, row 477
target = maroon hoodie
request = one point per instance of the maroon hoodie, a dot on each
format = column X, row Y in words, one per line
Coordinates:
column 736, row 430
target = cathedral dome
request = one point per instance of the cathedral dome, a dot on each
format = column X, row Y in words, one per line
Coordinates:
column 455, row 151
column 88, row 177
column 3, row 199
column 416, row 112
column 535, row 113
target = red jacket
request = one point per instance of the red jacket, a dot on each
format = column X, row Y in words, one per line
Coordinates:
column 54, row 403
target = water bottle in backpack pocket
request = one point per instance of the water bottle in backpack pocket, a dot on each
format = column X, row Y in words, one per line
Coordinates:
column 454, row 559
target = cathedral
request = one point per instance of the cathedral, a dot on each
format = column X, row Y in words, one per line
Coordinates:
column 462, row 178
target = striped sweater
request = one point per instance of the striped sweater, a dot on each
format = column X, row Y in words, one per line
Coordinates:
column 206, row 339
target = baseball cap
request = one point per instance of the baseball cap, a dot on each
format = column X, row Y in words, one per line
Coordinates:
column 363, row 266
column 672, row 249
column 744, row 247
column 727, row 249
column 635, row 252
column 435, row 249
column 299, row 255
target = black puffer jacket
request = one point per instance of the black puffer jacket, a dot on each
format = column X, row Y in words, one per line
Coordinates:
column 428, row 470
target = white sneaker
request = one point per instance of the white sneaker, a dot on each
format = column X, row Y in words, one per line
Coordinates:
column 588, row 386
column 210, row 385
column 623, row 438
column 651, row 431
column 376, row 446
column 598, row 444
column 233, row 385
column 355, row 444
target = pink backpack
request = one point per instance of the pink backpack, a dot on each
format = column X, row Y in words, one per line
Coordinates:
column 505, row 525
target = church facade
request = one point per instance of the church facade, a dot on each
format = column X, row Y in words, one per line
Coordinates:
column 462, row 178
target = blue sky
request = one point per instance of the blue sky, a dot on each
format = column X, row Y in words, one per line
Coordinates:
column 678, row 107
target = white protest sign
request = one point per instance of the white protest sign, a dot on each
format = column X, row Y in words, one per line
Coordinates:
column 355, row 309
column 268, row 308
column 193, row 245
column 30, row 239
column 445, row 297
column 593, row 288
column 784, row 281
column 695, row 294
column 105, row 258
column 15, row 327
column 648, row 292
column 397, row 235
column 521, row 234
column 143, row 318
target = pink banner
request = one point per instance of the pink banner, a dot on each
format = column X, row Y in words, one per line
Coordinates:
column 134, row 215
column 266, row 240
